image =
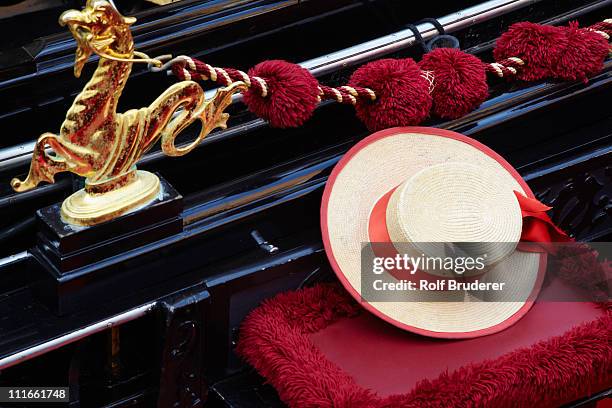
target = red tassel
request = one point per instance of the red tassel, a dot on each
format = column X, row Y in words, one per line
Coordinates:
column 292, row 94
column 584, row 56
column 398, row 92
column 564, row 53
column 460, row 81
column 402, row 94
column 537, row 45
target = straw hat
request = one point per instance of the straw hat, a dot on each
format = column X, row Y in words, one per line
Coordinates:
column 417, row 186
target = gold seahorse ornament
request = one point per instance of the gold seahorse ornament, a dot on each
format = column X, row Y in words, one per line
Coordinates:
column 102, row 145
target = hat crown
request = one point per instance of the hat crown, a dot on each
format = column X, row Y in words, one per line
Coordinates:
column 456, row 203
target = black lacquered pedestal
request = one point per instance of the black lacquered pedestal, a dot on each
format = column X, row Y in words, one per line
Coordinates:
column 70, row 259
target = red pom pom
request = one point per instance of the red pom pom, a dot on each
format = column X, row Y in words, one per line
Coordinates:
column 565, row 53
column 402, row 94
column 538, row 45
column 460, row 81
column 584, row 54
column 292, row 94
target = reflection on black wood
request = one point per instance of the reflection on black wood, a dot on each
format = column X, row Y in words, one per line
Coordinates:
column 581, row 203
column 182, row 381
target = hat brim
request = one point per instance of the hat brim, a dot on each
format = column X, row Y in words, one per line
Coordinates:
column 373, row 167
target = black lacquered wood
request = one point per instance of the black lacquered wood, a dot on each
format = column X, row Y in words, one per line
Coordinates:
column 256, row 189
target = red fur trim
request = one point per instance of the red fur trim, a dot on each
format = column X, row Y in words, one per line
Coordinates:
column 460, row 81
column 579, row 265
column 292, row 94
column 274, row 339
column 402, row 94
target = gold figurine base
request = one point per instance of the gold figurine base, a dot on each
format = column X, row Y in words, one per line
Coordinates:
column 92, row 205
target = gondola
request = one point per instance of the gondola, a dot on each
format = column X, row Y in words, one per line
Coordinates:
column 150, row 314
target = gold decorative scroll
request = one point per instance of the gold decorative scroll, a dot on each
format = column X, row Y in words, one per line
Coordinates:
column 104, row 146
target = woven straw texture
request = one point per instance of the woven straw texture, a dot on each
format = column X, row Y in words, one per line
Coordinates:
column 387, row 163
column 458, row 203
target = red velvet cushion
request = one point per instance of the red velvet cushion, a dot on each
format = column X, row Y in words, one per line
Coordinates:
column 319, row 348
column 390, row 360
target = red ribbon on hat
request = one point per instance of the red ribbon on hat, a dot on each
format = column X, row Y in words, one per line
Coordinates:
column 538, row 229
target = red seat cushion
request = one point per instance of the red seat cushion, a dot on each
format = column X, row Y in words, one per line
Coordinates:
column 319, row 348
column 380, row 357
